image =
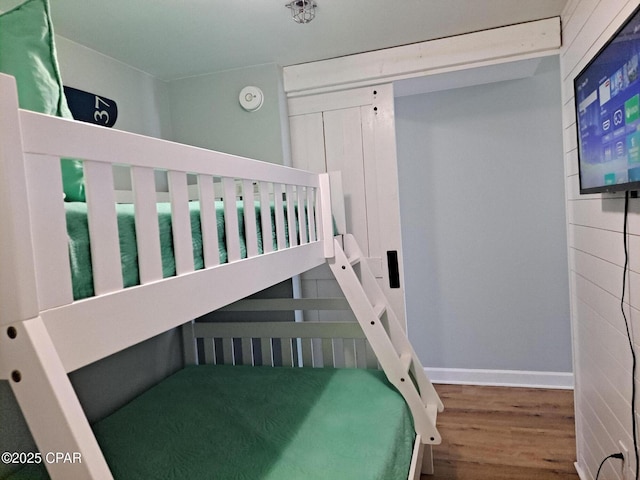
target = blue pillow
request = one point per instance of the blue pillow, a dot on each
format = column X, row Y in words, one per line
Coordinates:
column 27, row 52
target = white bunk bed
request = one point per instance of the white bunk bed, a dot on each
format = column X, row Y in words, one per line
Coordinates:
column 45, row 332
column 81, row 281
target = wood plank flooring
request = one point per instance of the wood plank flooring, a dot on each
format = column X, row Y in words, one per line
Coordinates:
column 498, row 433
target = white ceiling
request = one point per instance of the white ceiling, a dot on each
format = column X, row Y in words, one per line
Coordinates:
column 171, row 39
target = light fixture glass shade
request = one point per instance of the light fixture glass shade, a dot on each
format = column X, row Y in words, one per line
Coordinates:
column 302, row 11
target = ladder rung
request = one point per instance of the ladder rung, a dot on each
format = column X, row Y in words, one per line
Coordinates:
column 406, row 361
column 355, row 259
column 380, row 309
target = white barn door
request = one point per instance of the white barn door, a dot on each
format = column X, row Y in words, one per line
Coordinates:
column 353, row 131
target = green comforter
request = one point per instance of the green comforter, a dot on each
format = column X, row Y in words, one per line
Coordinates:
column 79, row 245
column 270, row 423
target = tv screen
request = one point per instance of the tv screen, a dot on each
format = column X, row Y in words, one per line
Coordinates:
column 607, row 97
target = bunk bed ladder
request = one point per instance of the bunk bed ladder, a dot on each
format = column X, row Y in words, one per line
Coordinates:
column 389, row 342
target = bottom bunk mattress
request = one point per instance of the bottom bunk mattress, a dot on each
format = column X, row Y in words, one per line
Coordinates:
column 240, row 422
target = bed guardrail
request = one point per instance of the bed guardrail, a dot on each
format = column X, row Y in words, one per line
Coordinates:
column 35, row 278
column 276, row 344
column 144, row 156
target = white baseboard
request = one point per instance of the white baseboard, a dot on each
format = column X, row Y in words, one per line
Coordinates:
column 504, row 378
column 581, row 473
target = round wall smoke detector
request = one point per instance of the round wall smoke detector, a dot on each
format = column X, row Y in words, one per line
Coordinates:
column 251, row 98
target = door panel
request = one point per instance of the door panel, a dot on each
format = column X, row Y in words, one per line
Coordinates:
column 358, row 140
column 343, row 144
column 307, row 142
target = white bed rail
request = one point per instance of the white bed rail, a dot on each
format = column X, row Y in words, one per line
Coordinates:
column 287, row 344
column 100, row 148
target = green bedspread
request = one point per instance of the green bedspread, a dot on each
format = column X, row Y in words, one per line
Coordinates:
column 79, row 245
column 276, row 423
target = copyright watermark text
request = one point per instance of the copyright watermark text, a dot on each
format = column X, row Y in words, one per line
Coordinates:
column 22, row 458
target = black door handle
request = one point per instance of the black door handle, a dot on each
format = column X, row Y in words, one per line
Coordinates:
column 394, row 270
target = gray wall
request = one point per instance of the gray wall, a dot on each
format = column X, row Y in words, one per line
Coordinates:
column 142, row 99
column 484, row 240
column 205, row 112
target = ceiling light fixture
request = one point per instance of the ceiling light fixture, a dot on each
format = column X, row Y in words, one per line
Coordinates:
column 302, row 11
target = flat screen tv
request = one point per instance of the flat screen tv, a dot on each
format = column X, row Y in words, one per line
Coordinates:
column 607, row 97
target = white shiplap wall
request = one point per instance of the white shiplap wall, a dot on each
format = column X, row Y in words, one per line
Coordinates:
column 602, row 359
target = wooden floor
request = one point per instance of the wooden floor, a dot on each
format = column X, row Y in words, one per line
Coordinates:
column 497, row 433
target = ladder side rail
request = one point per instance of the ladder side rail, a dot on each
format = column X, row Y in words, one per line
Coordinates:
column 381, row 343
column 395, row 331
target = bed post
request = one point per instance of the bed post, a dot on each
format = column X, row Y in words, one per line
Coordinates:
column 326, row 215
column 18, row 294
column 337, row 202
column 66, row 444
column 28, row 358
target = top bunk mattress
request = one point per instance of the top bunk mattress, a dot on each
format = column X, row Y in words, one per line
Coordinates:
column 270, row 423
column 80, row 248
